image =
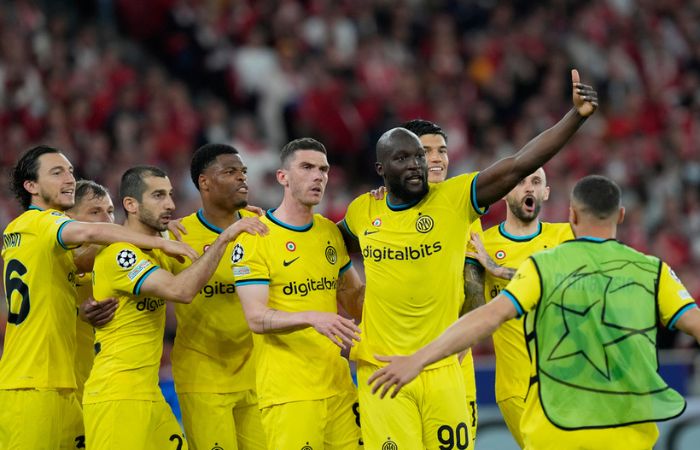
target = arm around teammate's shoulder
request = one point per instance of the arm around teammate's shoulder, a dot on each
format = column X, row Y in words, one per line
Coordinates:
column 78, row 233
column 182, row 288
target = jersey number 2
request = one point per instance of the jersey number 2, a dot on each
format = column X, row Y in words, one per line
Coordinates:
column 15, row 284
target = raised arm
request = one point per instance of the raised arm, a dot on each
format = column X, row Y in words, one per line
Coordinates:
column 498, row 179
column 265, row 320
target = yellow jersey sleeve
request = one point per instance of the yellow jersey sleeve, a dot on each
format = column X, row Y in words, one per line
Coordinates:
column 673, row 298
column 524, row 289
column 249, row 260
column 124, row 267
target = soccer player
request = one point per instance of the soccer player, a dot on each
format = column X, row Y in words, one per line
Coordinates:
column 92, row 204
column 123, row 405
column 500, row 250
column 290, row 283
column 434, row 141
column 595, row 305
column 37, row 378
column 420, row 230
column 213, row 363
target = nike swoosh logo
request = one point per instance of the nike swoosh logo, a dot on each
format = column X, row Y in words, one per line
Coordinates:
column 286, row 263
column 368, row 232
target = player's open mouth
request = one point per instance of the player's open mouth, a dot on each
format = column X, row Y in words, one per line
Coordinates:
column 436, row 169
column 529, row 203
column 414, row 179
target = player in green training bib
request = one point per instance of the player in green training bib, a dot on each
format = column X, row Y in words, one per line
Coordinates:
column 593, row 305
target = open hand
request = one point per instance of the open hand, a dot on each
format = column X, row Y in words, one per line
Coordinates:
column 341, row 331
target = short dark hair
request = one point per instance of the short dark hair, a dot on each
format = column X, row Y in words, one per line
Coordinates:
column 419, row 127
column 132, row 184
column 84, row 188
column 27, row 169
column 597, row 195
column 205, row 156
column 305, row 143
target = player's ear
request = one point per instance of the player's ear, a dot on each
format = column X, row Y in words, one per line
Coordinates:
column 621, row 215
column 546, row 194
column 31, row 186
column 131, row 205
column 379, row 168
column 281, row 175
column 202, row 181
column 573, row 216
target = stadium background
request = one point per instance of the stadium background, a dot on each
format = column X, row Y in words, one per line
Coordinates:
column 119, row 82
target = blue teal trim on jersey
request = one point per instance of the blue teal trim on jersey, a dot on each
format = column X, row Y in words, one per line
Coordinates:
column 512, row 237
column 252, row 281
column 472, row 261
column 475, row 205
column 58, row 235
column 276, row 221
column 347, row 228
column 345, row 268
column 592, row 239
column 209, row 226
column 401, row 206
column 137, row 288
column 678, row 314
column 515, row 301
column 34, row 207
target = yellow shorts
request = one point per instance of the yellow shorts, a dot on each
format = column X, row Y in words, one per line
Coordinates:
column 331, row 424
column 429, row 412
column 512, row 411
column 133, row 425
column 540, row 434
column 470, row 387
column 40, row 420
column 229, row 421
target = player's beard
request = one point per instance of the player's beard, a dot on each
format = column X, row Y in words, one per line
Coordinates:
column 516, row 208
column 149, row 219
column 398, row 190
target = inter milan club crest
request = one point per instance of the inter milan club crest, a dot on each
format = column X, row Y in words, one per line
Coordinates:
column 237, row 253
column 216, row 447
column 500, row 254
column 307, row 447
column 424, row 223
column 390, row 445
column 331, row 254
column 126, row 258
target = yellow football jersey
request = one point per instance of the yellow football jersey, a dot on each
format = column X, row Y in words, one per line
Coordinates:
column 512, row 360
column 524, row 291
column 301, row 265
column 414, row 260
column 84, row 335
column 129, row 347
column 39, row 276
column 213, row 349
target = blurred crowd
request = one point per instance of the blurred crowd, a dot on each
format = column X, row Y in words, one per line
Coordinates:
column 121, row 82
